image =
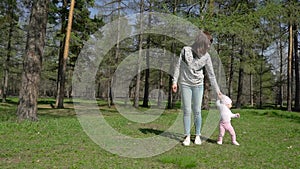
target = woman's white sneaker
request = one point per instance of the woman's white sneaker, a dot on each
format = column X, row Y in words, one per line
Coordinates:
column 197, row 140
column 187, row 141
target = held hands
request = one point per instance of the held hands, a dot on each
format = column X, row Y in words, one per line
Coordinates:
column 174, row 88
column 220, row 95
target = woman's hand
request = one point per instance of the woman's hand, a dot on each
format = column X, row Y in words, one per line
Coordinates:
column 220, row 95
column 174, row 88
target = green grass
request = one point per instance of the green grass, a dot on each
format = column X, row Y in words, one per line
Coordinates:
column 268, row 138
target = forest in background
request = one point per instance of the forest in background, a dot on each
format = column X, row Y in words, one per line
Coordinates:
column 256, row 40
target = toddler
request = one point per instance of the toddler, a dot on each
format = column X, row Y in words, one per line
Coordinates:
column 224, row 106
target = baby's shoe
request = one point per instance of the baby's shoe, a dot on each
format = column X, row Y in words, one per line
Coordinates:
column 187, row 141
column 219, row 142
column 235, row 143
column 197, row 140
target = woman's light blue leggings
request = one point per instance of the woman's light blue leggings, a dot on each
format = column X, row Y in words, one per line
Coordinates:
column 191, row 98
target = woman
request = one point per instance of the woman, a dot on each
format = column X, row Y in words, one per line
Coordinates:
column 188, row 73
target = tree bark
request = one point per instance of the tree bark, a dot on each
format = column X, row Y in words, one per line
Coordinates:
column 6, row 65
column 8, row 56
column 138, row 78
column 290, row 57
column 206, row 92
column 251, row 90
column 147, row 75
column 63, row 62
column 230, row 77
column 32, row 62
column 280, row 100
column 171, row 99
column 240, row 80
column 297, row 76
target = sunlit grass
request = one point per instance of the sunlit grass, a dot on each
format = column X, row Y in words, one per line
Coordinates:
column 268, row 138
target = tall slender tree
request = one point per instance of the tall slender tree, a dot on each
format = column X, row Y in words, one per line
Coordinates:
column 63, row 61
column 297, row 73
column 138, row 78
column 289, row 73
column 147, row 71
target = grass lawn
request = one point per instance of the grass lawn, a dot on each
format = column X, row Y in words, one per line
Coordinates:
column 268, row 138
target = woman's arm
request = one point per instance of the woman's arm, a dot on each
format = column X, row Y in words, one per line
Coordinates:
column 176, row 71
column 212, row 78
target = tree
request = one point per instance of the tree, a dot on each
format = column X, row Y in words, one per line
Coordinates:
column 289, row 70
column 297, row 73
column 82, row 27
column 32, row 63
column 147, row 71
column 11, row 18
column 138, row 78
column 63, row 62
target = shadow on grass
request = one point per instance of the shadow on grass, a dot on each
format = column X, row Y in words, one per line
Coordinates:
column 10, row 101
column 172, row 135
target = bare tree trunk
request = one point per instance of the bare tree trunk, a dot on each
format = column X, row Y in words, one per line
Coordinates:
column 241, row 80
column 280, row 101
column 159, row 99
column 6, row 66
column 260, row 79
column 63, row 62
column 32, row 63
column 240, row 87
column 8, row 56
column 290, row 56
column 206, row 92
column 147, row 76
column 230, row 77
column 297, row 76
column 110, row 99
column 173, row 49
column 251, row 90
column 170, row 91
column 138, row 78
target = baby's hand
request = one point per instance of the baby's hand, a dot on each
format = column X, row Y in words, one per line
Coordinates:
column 238, row 115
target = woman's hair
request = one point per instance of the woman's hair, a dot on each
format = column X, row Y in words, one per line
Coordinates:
column 201, row 44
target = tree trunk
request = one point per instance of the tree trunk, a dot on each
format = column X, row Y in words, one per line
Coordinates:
column 8, row 56
column 147, row 76
column 171, row 102
column 297, row 76
column 110, row 99
column 241, row 80
column 63, row 62
column 230, row 77
column 138, row 78
column 280, row 101
column 6, row 66
column 251, row 90
column 290, row 57
column 32, row 62
column 240, row 87
column 260, row 79
column 205, row 100
column 159, row 99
